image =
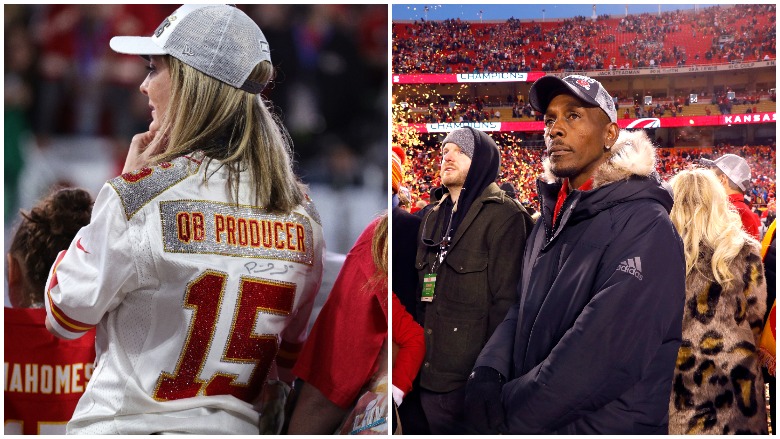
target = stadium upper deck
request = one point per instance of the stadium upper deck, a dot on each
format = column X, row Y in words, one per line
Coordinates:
column 715, row 35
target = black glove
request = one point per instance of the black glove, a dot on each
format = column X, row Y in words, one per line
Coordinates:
column 484, row 410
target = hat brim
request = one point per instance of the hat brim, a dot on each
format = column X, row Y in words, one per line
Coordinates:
column 547, row 87
column 708, row 163
column 136, row 46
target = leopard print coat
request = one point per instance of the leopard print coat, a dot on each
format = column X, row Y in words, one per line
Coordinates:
column 718, row 387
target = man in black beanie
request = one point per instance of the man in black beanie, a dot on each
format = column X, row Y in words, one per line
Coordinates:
column 468, row 259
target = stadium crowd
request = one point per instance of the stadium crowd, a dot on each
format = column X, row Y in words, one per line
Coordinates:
column 713, row 35
column 435, row 108
column 520, row 166
column 447, row 109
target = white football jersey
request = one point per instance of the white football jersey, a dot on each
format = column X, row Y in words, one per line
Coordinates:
column 196, row 300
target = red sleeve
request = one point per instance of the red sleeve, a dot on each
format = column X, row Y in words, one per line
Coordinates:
column 340, row 355
column 408, row 335
column 750, row 222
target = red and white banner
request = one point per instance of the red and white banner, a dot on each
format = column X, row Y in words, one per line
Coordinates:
column 460, row 78
column 455, row 78
column 663, row 122
column 699, row 121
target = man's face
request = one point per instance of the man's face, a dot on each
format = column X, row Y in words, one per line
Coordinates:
column 455, row 166
column 576, row 134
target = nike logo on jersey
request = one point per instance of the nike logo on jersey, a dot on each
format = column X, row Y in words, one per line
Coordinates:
column 80, row 247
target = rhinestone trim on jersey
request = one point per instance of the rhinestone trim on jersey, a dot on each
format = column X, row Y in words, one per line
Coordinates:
column 209, row 227
column 137, row 188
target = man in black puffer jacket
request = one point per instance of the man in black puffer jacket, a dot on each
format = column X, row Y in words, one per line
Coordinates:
column 591, row 344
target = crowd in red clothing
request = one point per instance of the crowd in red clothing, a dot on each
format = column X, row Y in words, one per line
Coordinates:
column 520, row 166
column 711, row 35
column 447, row 109
column 762, row 160
column 438, row 110
column 736, row 34
column 750, row 37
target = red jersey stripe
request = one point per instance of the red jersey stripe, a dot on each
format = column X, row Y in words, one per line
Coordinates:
column 65, row 321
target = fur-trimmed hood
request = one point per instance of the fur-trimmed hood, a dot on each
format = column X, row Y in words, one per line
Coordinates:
column 629, row 174
column 632, row 154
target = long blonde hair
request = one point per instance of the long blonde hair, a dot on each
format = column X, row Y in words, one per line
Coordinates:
column 379, row 247
column 705, row 219
column 378, row 280
column 233, row 126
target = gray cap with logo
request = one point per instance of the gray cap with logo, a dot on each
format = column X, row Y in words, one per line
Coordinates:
column 220, row 41
column 734, row 167
column 583, row 87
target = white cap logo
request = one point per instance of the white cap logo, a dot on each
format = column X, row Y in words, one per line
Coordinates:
column 165, row 29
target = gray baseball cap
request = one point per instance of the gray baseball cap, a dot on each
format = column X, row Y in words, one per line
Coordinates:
column 734, row 167
column 583, row 87
column 218, row 40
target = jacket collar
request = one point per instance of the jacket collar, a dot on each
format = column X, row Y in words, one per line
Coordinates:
column 737, row 199
column 632, row 155
column 491, row 194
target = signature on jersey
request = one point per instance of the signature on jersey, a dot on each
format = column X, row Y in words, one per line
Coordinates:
column 267, row 268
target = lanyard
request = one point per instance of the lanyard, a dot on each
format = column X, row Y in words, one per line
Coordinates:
column 443, row 243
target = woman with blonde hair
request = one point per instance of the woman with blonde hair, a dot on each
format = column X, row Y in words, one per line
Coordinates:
column 718, row 387
column 201, row 262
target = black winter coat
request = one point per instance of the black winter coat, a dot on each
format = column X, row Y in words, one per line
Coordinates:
column 591, row 345
column 475, row 285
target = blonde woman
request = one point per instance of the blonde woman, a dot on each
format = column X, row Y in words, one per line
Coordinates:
column 718, row 387
column 201, row 262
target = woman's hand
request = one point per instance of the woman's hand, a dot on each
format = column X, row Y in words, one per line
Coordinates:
column 142, row 148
